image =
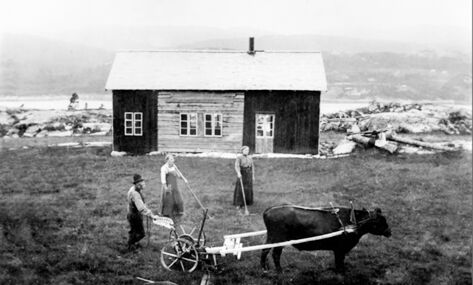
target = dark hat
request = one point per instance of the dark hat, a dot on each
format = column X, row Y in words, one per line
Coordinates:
column 137, row 178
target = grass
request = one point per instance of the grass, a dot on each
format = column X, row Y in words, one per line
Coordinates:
column 63, row 217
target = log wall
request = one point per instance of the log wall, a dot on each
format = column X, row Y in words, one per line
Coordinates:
column 172, row 103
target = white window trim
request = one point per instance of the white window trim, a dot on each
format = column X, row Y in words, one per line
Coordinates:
column 188, row 124
column 133, row 120
column 212, row 123
column 264, row 136
column 141, row 124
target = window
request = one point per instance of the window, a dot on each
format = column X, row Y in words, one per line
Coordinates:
column 213, row 125
column 264, row 126
column 188, row 124
column 138, row 120
column 133, row 124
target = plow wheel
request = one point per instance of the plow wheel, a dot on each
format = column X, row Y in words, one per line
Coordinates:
column 180, row 255
column 189, row 233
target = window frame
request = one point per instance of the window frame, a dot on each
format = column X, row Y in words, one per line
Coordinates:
column 188, row 127
column 133, row 122
column 273, row 122
column 135, row 133
column 212, row 124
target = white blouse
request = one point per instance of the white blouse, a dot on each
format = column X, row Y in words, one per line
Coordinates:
column 165, row 169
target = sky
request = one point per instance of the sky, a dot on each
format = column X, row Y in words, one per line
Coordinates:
column 368, row 18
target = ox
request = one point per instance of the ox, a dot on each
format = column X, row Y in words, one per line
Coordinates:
column 289, row 222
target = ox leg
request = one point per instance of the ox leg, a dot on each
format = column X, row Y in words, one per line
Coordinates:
column 339, row 261
column 277, row 258
column 264, row 254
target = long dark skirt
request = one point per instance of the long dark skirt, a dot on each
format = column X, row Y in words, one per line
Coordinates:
column 172, row 204
column 247, row 178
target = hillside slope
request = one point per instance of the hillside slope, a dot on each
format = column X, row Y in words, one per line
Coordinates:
column 356, row 69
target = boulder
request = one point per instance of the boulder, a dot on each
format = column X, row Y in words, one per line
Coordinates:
column 344, row 146
column 118, row 153
column 68, row 127
column 57, row 125
column 6, row 119
column 463, row 129
column 13, row 131
column 354, row 129
column 60, row 133
column 99, row 134
column 31, row 131
column 42, row 134
column 331, row 126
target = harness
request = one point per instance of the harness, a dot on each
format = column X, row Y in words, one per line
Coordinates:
column 335, row 211
column 354, row 224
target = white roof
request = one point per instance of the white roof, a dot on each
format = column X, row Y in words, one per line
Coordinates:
column 217, row 70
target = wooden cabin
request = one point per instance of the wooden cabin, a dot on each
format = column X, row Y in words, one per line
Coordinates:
column 203, row 101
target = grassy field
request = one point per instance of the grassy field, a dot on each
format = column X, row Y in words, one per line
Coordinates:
column 63, row 217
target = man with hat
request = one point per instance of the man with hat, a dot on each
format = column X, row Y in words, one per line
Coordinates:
column 137, row 208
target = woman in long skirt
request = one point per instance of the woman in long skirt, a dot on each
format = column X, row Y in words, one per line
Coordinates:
column 245, row 170
column 172, row 203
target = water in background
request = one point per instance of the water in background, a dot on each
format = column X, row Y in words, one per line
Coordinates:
column 56, row 102
column 95, row 102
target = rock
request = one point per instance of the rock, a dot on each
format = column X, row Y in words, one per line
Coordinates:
column 13, row 131
column 413, row 128
column 97, row 127
column 6, row 119
column 42, row 133
column 57, row 125
column 460, row 115
column 344, row 146
column 354, row 129
column 332, row 126
column 31, row 131
column 363, row 124
column 118, row 153
column 345, row 126
column 60, row 133
column 99, row 134
column 463, row 129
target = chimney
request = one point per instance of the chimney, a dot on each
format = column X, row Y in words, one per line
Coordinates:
column 251, row 50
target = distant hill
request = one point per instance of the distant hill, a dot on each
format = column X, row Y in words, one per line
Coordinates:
column 409, row 40
column 307, row 42
column 356, row 68
column 32, row 65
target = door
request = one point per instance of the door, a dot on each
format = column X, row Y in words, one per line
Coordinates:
column 264, row 133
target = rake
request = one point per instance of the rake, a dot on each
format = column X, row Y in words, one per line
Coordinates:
column 244, row 198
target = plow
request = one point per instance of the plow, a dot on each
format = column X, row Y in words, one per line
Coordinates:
column 185, row 253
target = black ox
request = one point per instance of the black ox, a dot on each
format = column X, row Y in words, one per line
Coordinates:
column 289, row 222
